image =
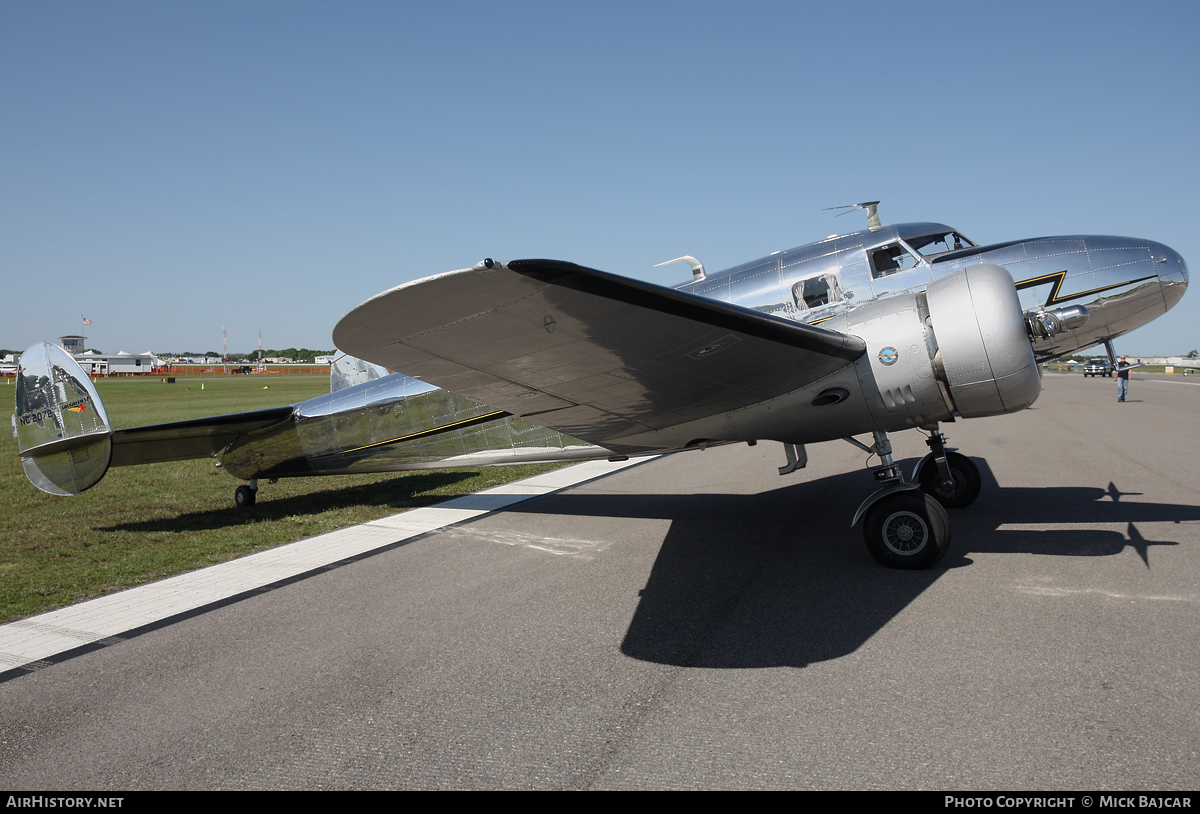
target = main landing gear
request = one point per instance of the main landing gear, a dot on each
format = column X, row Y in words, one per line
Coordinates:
column 905, row 525
column 948, row 477
column 244, row 496
column 908, row 530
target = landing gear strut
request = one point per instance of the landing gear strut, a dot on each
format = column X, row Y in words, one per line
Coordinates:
column 902, row 526
column 948, row 477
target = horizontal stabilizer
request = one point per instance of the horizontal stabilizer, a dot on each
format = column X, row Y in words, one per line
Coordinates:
column 591, row 354
column 61, row 428
column 195, row 438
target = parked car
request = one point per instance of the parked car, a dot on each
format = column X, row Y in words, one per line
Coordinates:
column 1098, row 367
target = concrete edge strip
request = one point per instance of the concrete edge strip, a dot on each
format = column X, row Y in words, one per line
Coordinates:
column 49, row 634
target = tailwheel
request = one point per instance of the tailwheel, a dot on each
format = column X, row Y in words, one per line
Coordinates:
column 244, row 496
column 907, row 530
column 967, row 482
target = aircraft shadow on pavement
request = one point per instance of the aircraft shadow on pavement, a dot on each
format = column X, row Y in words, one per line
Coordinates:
column 779, row 579
column 408, row 490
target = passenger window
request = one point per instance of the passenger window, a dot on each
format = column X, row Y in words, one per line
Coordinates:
column 816, row 291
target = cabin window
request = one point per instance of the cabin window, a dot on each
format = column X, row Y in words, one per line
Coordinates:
column 891, row 259
column 816, row 291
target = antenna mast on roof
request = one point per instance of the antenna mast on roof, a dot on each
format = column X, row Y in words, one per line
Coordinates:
column 872, row 208
column 697, row 267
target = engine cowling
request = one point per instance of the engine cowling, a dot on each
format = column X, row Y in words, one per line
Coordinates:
column 986, row 360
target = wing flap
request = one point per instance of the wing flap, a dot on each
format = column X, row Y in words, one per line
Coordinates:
column 588, row 353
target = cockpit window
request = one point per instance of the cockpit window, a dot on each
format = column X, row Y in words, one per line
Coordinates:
column 891, row 259
column 930, row 245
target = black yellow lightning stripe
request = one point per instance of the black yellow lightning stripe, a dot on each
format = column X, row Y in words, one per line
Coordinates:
column 457, row 425
column 1057, row 279
column 1053, row 298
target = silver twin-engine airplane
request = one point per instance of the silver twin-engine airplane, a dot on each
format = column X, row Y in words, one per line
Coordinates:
column 891, row 328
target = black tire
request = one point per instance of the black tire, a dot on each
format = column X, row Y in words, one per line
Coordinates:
column 244, row 496
column 908, row 530
column 967, row 482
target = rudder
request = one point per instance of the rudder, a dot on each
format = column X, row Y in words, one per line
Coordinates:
column 60, row 424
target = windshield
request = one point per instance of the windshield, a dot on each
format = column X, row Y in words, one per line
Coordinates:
column 930, row 245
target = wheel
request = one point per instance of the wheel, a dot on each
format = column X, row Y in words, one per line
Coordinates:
column 244, row 496
column 967, row 482
column 907, row 530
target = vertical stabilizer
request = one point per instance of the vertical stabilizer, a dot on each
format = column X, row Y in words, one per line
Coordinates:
column 347, row 371
column 60, row 424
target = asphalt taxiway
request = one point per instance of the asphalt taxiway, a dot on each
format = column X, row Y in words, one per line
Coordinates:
column 697, row 621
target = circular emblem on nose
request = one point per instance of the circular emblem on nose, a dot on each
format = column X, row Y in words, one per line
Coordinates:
column 888, row 355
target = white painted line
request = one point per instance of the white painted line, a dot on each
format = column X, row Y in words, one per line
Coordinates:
column 1166, row 381
column 41, row 637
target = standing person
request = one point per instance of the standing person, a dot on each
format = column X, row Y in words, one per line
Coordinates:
column 1121, row 374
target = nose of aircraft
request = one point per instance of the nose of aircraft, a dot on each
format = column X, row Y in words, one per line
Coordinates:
column 1172, row 273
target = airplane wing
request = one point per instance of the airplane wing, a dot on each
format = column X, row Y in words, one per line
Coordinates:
column 591, row 354
column 183, row 440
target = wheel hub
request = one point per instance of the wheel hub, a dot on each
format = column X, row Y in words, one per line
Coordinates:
column 905, row 533
column 959, row 485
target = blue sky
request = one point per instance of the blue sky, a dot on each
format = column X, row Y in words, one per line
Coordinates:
column 169, row 169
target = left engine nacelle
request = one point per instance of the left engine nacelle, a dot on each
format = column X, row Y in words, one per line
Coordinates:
column 983, row 348
column 959, row 348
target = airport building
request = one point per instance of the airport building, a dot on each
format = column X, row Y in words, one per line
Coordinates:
column 73, row 345
column 105, row 364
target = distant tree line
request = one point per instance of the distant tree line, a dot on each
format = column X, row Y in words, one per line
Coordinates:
column 291, row 354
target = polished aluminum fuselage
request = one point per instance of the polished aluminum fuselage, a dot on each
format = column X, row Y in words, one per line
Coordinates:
column 395, row 422
column 1123, row 282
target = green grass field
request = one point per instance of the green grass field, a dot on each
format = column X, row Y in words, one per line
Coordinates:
column 144, row 523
